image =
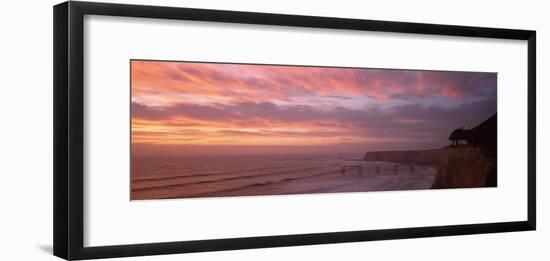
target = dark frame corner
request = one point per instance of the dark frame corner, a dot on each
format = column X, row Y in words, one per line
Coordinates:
column 68, row 129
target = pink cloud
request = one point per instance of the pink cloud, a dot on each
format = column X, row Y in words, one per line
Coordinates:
column 170, row 81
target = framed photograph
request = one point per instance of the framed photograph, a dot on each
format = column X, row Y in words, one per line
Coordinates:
column 183, row 130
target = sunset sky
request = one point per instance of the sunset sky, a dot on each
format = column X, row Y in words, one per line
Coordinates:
column 182, row 106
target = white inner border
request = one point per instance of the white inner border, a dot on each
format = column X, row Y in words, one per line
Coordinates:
column 110, row 218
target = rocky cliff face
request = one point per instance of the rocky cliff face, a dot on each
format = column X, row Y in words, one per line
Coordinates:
column 474, row 165
column 465, row 167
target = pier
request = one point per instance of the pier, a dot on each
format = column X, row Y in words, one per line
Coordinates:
column 376, row 170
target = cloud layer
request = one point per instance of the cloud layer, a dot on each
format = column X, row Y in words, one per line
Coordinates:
column 206, row 104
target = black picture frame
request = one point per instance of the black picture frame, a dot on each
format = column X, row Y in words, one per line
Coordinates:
column 69, row 128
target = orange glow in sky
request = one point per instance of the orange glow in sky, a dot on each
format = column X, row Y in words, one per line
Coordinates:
column 215, row 104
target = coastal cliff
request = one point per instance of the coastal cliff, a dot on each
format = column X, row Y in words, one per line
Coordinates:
column 461, row 166
column 465, row 167
column 471, row 165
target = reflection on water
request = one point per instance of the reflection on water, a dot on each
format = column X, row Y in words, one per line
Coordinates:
column 244, row 175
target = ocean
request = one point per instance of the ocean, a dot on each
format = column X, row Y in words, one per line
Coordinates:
column 192, row 176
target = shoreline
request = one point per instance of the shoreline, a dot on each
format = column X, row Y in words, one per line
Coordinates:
column 326, row 177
